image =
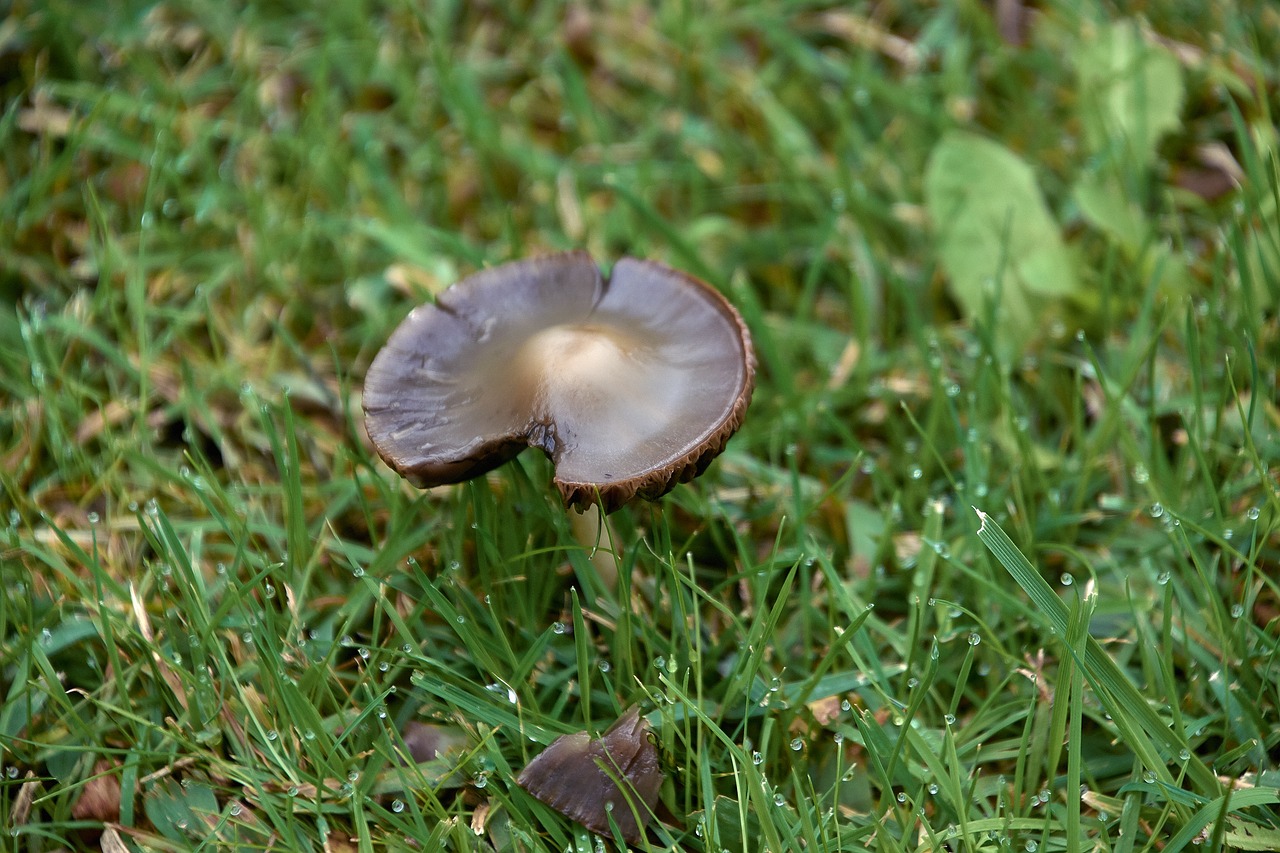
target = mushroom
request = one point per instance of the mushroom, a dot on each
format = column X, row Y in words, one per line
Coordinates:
column 630, row 384
column 616, row 775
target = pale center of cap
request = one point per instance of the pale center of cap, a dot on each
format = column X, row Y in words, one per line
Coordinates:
column 580, row 355
column 608, row 390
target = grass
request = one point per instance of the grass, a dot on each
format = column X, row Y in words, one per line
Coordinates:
column 220, row 613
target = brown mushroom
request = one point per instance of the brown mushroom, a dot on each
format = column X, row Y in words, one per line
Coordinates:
column 630, row 384
column 617, row 774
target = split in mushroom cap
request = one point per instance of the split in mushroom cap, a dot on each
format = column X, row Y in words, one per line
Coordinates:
column 630, row 384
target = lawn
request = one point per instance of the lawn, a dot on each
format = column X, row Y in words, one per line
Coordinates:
column 992, row 565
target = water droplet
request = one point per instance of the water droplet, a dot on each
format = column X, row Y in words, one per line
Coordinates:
column 1162, row 578
column 1237, row 610
column 975, row 638
column 397, row 806
column 838, row 737
column 1030, row 846
column 272, row 735
column 779, row 800
column 1157, row 510
column 933, row 789
column 558, row 627
column 797, row 744
column 902, row 797
column 1184, row 754
column 603, row 665
column 1141, row 474
column 756, row 758
column 481, row 780
column 1148, row 776
column 1253, row 513
column 949, row 719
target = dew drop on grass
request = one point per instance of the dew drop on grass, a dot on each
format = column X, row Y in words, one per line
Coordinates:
column 397, row 806
column 756, row 758
column 779, row 800
column 902, row 797
column 1184, row 754
column 1157, row 510
column 558, row 627
column 1162, row 578
column 384, row 666
column 1067, row 579
column 481, row 780
column 272, row 734
column 1237, row 610
column 1254, row 513
column 975, row 638
column 1148, row 776
column 949, row 719
column 1030, row 846
column 913, row 683
column 797, row 744
column 846, row 705
column 838, row 737
column 933, row 789
column 603, row 665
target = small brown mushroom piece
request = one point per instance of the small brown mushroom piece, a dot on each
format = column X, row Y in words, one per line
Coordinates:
column 616, row 775
column 630, row 384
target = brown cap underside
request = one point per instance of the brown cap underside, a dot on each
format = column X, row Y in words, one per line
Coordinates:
column 630, row 385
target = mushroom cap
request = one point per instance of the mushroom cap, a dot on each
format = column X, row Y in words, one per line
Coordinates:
column 618, row 774
column 630, row 384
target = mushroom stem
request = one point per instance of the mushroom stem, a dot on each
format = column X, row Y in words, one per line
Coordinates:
column 592, row 530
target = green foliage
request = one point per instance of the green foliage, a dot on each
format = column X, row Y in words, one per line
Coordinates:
column 1029, row 267
column 999, row 244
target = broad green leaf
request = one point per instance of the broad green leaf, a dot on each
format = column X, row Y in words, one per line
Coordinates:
column 1105, row 206
column 996, row 238
column 1131, row 93
column 1103, row 203
column 180, row 812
